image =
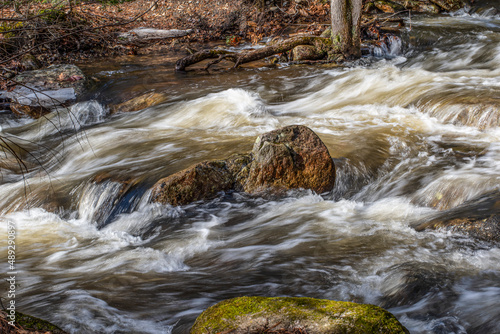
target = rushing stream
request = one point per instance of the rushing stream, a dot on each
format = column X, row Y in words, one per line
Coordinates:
column 412, row 133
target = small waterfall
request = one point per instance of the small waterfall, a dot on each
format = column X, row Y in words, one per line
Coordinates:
column 103, row 198
column 469, row 111
column 390, row 46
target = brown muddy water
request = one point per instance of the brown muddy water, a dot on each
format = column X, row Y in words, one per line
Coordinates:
column 413, row 132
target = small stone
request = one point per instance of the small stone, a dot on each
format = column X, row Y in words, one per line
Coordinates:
column 27, row 110
column 140, row 102
column 305, row 52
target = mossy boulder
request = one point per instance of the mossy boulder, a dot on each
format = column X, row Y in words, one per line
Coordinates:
column 291, row 314
column 27, row 324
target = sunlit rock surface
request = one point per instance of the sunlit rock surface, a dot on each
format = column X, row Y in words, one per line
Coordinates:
column 294, row 315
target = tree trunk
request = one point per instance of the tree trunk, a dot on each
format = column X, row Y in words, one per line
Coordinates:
column 345, row 16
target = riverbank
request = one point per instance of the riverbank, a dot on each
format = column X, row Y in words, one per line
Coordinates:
column 410, row 135
column 88, row 31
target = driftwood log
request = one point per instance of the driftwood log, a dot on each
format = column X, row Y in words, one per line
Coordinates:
column 322, row 45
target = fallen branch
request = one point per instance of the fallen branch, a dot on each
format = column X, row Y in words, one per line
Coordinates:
column 323, row 45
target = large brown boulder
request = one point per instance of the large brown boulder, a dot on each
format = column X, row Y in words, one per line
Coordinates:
column 289, row 158
column 199, row 182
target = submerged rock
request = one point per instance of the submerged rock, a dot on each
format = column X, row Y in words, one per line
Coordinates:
column 487, row 228
column 289, row 158
column 144, row 101
column 304, row 315
column 478, row 218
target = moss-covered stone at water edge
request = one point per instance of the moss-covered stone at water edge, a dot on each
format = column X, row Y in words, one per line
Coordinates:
column 312, row 316
column 33, row 324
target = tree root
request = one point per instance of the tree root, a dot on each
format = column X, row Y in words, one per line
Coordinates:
column 322, row 45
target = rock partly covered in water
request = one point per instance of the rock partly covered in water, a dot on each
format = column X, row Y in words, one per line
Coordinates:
column 39, row 90
column 140, row 102
column 289, row 158
column 478, row 218
column 201, row 181
column 291, row 315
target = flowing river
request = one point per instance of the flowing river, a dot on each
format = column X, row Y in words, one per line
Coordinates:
column 411, row 133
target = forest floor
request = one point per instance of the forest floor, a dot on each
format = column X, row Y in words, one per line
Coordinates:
column 97, row 25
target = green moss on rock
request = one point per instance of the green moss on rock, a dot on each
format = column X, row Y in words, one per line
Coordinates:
column 314, row 316
column 29, row 322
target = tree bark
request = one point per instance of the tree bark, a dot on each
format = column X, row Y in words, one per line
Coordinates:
column 345, row 16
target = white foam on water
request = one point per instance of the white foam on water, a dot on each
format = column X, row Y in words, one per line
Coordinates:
column 79, row 309
column 233, row 110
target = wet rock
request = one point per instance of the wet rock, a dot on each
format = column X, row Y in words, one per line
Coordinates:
column 478, row 218
column 200, row 182
column 305, row 52
column 28, row 110
column 29, row 324
column 289, row 158
column 282, row 314
column 53, row 86
column 487, row 229
column 144, row 101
